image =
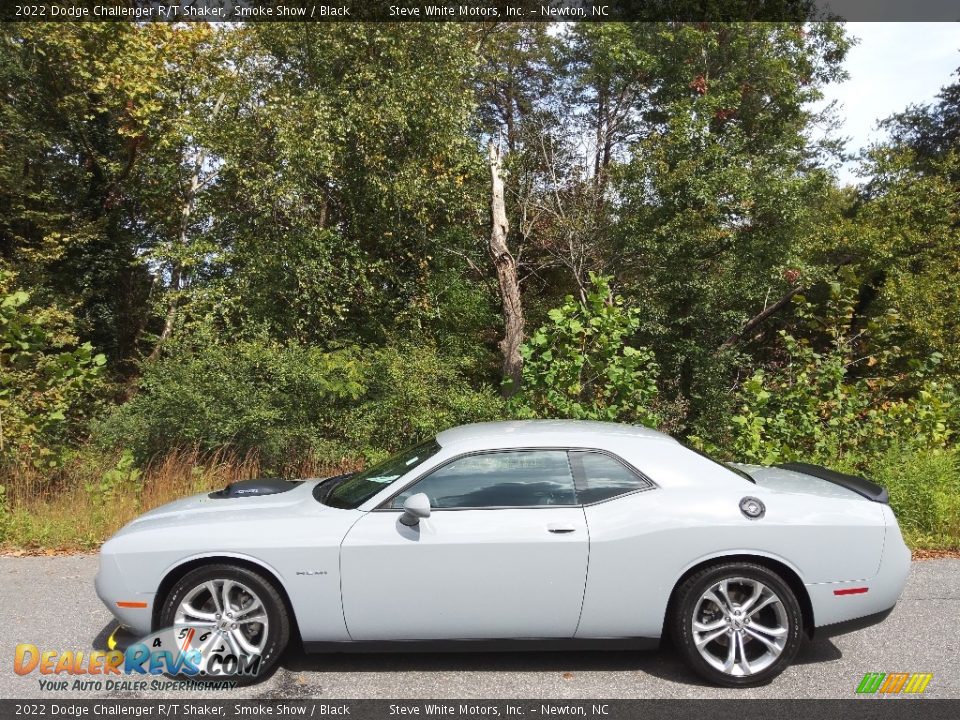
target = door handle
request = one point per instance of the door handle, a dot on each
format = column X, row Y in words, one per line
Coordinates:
column 560, row 529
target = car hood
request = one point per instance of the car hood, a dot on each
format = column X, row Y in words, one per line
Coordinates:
column 207, row 507
column 791, row 481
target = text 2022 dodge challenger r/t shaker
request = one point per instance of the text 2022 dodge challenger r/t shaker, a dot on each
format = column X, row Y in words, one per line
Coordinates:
column 555, row 532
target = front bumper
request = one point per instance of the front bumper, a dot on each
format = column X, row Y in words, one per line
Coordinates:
column 133, row 610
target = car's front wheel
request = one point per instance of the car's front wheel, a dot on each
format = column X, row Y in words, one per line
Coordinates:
column 233, row 615
column 737, row 624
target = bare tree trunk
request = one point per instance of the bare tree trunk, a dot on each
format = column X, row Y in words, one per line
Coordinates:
column 506, row 267
column 183, row 236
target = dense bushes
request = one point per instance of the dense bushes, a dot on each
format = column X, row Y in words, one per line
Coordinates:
column 582, row 364
column 924, row 488
column 848, row 400
column 248, row 395
column 49, row 382
column 833, row 393
column 411, row 392
column 283, row 401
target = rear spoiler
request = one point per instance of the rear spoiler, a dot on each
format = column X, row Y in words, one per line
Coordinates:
column 860, row 485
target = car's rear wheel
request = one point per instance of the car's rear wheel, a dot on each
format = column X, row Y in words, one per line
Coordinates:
column 235, row 611
column 737, row 624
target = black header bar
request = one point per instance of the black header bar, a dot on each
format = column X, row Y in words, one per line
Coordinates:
column 475, row 10
column 520, row 709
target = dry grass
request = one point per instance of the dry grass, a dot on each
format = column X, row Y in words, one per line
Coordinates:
column 74, row 511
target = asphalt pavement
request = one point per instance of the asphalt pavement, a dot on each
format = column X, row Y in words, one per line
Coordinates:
column 50, row 602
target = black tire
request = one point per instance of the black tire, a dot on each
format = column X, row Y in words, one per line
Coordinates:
column 686, row 599
column 278, row 627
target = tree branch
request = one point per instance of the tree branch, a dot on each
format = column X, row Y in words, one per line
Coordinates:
column 759, row 318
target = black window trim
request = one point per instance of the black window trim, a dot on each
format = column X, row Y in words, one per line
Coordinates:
column 580, row 479
column 577, row 484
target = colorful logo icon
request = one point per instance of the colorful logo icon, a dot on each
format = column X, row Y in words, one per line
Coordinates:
column 894, row 683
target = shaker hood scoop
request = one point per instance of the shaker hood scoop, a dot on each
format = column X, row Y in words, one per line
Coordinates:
column 254, row 488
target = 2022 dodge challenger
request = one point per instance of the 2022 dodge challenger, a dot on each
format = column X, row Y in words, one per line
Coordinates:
column 558, row 532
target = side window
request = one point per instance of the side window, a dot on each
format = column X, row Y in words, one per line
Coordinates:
column 600, row 477
column 524, row 478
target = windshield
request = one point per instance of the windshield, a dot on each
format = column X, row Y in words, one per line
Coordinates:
column 354, row 490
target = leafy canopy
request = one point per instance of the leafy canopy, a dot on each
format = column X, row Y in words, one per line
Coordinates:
column 582, row 364
column 49, row 381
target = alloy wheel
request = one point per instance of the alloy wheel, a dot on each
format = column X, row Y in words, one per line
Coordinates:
column 229, row 612
column 740, row 626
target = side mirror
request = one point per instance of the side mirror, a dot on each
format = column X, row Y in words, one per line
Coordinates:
column 415, row 508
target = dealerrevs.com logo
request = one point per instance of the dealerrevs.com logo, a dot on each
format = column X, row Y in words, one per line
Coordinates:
column 894, row 683
column 185, row 652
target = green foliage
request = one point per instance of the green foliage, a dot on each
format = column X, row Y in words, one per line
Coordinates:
column 845, row 402
column 411, row 393
column 94, row 128
column 905, row 235
column 344, row 182
column 121, row 479
column 711, row 223
column 278, row 240
column 581, row 364
column 288, row 401
column 924, row 488
column 253, row 395
column 48, row 381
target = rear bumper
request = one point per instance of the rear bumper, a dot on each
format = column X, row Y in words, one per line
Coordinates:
column 849, row 626
column 850, row 605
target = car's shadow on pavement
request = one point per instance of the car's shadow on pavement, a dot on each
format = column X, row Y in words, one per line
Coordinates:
column 817, row 651
column 664, row 663
column 99, row 642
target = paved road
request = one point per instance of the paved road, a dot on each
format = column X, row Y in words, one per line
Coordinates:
column 50, row 602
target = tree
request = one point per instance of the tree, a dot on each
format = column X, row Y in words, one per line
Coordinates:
column 906, row 243
column 931, row 130
column 331, row 220
column 513, row 76
column 905, row 227
column 48, row 381
column 92, row 126
column 723, row 192
column 581, row 364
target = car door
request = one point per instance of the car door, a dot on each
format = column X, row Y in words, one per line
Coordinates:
column 502, row 555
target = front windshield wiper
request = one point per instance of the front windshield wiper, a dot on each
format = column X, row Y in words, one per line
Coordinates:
column 326, row 486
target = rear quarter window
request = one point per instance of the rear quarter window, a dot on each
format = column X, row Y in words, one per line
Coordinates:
column 601, row 477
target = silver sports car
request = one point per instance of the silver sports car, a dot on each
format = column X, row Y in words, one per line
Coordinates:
column 521, row 534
